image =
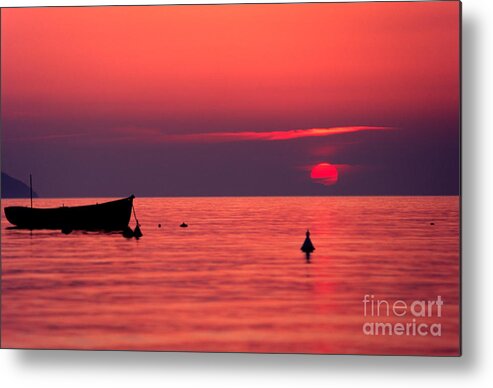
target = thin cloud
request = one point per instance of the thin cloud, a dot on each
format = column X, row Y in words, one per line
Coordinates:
column 48, row 137
column 137, row 134
column 223, row 137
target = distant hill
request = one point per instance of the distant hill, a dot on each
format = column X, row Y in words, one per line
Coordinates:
column 14, row 188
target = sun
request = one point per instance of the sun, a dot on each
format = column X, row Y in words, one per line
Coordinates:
column 325, row 174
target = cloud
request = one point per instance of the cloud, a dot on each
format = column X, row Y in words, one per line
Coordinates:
column 136, row 134
column 223, row 137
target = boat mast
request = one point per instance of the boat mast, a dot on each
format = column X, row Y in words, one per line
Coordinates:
column 31, row 188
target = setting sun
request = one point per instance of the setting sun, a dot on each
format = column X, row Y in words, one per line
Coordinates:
column 325, row 174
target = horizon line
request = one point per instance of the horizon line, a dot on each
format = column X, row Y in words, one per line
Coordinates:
column 239, row 196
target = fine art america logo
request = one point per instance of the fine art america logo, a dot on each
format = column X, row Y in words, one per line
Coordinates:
column 402, row 318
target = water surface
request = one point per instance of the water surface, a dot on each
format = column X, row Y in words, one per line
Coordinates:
column 235, row 279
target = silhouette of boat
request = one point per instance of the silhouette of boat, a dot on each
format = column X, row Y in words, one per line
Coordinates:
column 108, row 216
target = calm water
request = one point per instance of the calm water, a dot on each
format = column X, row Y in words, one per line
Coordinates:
column 235, row 280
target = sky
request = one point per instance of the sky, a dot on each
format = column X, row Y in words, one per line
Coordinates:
column 284, row 99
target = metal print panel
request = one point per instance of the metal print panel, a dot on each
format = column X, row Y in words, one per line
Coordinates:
column 279, row 178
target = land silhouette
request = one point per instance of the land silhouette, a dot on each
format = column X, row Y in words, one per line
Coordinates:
column 14, row 188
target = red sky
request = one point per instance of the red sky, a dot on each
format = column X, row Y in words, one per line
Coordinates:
column 94, row 76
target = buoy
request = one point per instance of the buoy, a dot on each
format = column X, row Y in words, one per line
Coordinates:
column 184, row 225
column 432, row 223
column 307, row 246
column 158, row 225
column 128, row 233
column 137, row 232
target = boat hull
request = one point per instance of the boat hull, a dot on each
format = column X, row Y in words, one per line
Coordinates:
column 108, row 216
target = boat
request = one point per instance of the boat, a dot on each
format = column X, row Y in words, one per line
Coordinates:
column 107, row 216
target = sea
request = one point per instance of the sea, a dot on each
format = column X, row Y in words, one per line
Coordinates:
column 384, row 278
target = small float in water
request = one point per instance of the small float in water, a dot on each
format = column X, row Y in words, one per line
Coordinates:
column 307, row 246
